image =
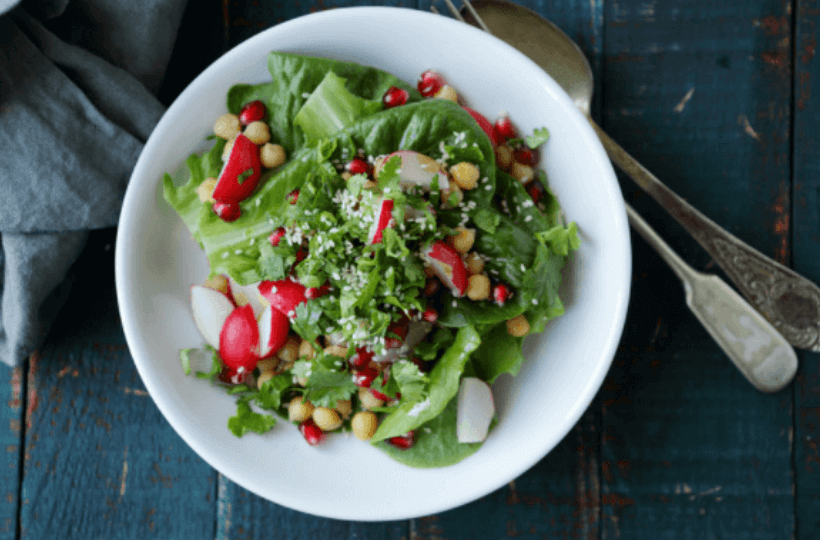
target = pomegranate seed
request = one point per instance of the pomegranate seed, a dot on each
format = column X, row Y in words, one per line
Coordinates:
column 504, row 127
column 403, row 442
column 311, row 432
column 230, row 376
column 227, row 212
column 501, row 293
column 293, row 196
column 431, row 287
column 361, row 358
column 363, row 378
column 430, row 314
column 526, row 156
column 357, row 166
column 252, row 112
column 392, row 343
column 394, row 97
column 536, row 190
column 276, row 236
column 430, row 82
column 301, row 255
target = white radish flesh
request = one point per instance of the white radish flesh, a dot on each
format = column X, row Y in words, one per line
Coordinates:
column 210, row 308
column 475, row 410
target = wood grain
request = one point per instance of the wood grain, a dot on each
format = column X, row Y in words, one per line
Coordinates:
column 100, row 461
column 700, row 94
column 11, row 419
column 806, row 237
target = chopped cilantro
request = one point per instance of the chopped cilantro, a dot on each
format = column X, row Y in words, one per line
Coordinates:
column 244, row 176
column 539, row 137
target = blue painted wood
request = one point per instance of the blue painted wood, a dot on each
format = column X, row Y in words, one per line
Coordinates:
column 700, row 94
column 806, row 238
column 100, row 461
column 11, row 432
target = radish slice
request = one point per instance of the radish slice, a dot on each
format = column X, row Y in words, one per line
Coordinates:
column 249, row 292
column 239, row 341
column 384, row 219
column 474, row 411
column 240, row 174
column 416, row 170
column 210, row 308
column 484, row 124
column 273, row 331
column 448, row 265
column 283, row 295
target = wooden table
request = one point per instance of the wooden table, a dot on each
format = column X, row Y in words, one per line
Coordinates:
column 715, row 97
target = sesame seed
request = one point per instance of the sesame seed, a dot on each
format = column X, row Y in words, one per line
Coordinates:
column 455, row 303
column 523, row 268
column 534, row 302
column 488, row 187
column 528, row 218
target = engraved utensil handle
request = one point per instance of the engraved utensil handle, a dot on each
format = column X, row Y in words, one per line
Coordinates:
column 788, row 300
column 761, row 354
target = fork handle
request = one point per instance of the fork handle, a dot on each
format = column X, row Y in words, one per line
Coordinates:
column 788, row 300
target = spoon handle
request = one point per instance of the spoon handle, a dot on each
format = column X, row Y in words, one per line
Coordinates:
column 787, row 299
column 758, row 350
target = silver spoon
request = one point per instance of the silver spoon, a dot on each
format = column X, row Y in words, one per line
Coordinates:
column 752, row 344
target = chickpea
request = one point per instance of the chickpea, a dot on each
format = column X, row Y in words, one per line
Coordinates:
column 522, row 173
column 306, row 350
column 518, row 326
column 227, row 126
column 344, row 407
column 206, row 190
column 447, row 92
column 364, row 425
column 429, row 271
column 326, row 419
column 226, row 152
column 474, row 263
column 241, row 299
column 299, row 410
column 370, row 184
column 503, row 156
column 465, row 175
column 336, row 350
column 478, row 287
column 368, row 400
column 257, row 132
column 289, row 351
column 263, row 378
column 272, row 155
column 267, row 365
column 347, row 175
column 218, row 283
column 464, row 240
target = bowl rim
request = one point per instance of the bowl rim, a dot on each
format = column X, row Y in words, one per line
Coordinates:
column 621, row 271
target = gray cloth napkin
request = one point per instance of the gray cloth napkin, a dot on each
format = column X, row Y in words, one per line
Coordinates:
column 76, row 105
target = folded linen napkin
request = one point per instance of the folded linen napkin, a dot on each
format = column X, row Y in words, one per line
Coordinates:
column 76, row 104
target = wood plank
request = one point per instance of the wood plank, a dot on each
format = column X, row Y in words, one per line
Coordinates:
column 806, row 236
column 559, row 497
column 700, row 94
column 100, row 461
column 11, row 433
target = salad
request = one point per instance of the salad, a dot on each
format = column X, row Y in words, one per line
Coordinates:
column 377, row 254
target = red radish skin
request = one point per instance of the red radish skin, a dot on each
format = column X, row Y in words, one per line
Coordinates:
column 448, row 266
column 384, row 219
column 235, row 184
column 430, row 82
column 317, row 292
column 284, row 295
column 239, row 340
column 273, row 331
column 504, row 128
column 395, row 97
column 311, row 432
column 536, row 190
column 357, row 166
column 485, row 125
column 252, row 112
column 403, row 442
column 276, row 236
column 227, row 212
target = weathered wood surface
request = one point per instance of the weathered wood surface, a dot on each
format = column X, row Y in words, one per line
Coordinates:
column 713, row 97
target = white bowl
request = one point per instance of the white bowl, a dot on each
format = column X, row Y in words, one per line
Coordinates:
column 157, row 261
